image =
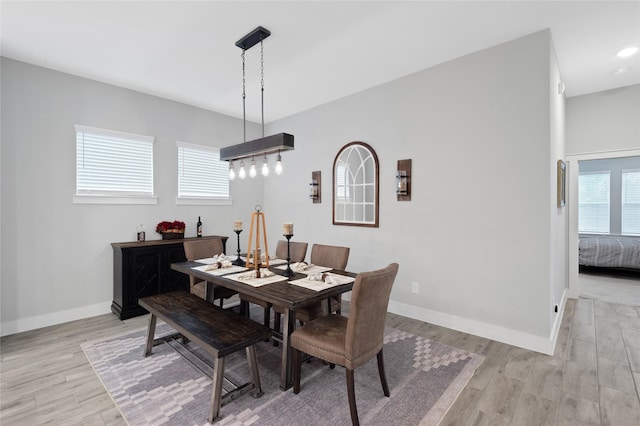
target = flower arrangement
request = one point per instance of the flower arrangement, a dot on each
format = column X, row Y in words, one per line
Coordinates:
column 171, row 230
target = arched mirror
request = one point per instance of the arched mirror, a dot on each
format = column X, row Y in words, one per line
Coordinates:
column 355, row 186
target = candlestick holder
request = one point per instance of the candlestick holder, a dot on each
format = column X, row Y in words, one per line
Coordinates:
column 238, row 261
column 288, row 272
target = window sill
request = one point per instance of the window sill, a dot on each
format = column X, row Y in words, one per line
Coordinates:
column 97, row 199
column 186, row 201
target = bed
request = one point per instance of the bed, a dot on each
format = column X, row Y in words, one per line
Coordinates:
column 609, row 251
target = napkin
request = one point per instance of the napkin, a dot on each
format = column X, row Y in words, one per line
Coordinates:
column 264, row 273
column 222, row 257
column 301, row 266
column 218, row 265
column 323, row 277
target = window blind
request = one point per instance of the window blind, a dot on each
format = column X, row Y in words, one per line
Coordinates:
column 593, row 206
column 201, row 174
column 113, row 163
column 631, row 202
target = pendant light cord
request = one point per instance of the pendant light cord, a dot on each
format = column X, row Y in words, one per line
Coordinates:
column 262, row 83
column 244, row 96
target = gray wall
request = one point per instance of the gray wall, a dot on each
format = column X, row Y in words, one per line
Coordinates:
column 484, row 134
column 604, row 121
column 56, row 255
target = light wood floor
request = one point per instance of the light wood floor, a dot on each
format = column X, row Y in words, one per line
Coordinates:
column 592, row 378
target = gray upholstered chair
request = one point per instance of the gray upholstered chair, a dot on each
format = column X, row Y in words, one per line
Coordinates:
column 335, row 257
column 298, row 251
column 350, row 342
column 202, row 249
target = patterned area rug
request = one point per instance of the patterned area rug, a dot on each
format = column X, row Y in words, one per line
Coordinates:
column 425, row 378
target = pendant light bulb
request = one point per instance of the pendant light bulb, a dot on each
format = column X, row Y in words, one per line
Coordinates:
column 242, row 173
column 252, row 170
column 278, row 165
column 265, row 167
column 232, row 171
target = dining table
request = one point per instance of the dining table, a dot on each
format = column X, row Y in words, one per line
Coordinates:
column 286, row 292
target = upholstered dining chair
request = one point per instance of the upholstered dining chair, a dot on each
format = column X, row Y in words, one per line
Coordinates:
column 350, row 342
column 298, row 252
column 335, row 257
column 202, row 249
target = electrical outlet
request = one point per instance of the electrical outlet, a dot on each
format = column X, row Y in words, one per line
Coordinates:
column 415, row 288
column 555, row 308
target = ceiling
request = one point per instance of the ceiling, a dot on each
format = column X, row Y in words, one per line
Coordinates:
column 318, row 51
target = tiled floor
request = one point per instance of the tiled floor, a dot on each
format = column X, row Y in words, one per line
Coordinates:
column 592, row 378
column 625, row 291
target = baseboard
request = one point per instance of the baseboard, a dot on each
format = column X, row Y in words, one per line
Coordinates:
column 555, row 330
column 477, row 328
column 39, row 321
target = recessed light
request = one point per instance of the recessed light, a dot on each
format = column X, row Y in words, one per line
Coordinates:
column 627, row 51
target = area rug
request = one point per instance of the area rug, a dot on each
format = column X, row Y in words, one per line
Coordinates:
column 425, row 378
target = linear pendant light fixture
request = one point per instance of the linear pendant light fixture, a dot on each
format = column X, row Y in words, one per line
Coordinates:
column 266, row 144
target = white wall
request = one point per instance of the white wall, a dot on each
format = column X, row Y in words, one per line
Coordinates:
column 56, row 256
column 477, row 236
column 558, row 257
column 599, row 125
column 604, row 121
column 477, row 233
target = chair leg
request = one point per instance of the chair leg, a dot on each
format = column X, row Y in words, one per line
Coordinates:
column 351, row 392
column 296, row 360
column 383, row 376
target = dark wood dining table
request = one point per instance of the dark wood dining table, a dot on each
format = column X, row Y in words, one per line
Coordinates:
column 287, row 296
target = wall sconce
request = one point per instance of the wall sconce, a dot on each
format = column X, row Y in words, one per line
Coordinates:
column 403, row 180
column 314, row 187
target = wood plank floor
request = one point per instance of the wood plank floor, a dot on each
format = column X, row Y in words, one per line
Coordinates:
column 592, row 378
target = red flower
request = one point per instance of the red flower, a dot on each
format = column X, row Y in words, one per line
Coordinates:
column 165, row 226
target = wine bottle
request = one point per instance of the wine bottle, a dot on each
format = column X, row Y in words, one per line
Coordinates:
column 199, row 228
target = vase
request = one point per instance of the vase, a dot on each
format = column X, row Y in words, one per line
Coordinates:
column 173, row 235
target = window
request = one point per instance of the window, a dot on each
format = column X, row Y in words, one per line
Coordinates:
column 631, row 202
column 593, row 208
column 202, row 177
column 113, row 165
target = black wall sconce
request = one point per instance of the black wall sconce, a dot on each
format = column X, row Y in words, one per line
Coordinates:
column 314, row 187
column 403, row 180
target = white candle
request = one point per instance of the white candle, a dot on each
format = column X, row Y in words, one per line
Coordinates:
column 237, row 225
column 287, row 229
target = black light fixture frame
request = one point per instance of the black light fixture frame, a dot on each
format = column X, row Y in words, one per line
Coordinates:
column 266, row 144
column 253, row 38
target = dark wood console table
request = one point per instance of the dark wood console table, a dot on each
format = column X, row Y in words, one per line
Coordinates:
column 143, row 269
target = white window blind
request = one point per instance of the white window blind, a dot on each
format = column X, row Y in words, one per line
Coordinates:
column 593, row 208
column 631, row 202
column 113, row 163
column 201, row 174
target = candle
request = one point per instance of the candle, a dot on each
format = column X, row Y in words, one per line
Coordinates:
column 237, row 225
column 287, row 229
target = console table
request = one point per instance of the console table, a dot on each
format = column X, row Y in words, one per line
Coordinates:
column 143, row 269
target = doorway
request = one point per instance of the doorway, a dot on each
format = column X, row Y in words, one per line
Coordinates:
column 605, row 287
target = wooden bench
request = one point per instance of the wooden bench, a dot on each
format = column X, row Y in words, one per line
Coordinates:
column 217, row 331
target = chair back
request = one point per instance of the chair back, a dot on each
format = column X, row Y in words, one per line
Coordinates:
column 201, row 249
column 367, row 314
column 298, row 250
column 335, row 257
